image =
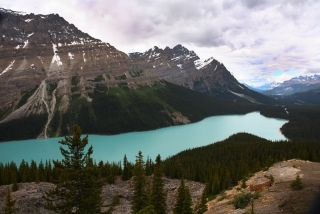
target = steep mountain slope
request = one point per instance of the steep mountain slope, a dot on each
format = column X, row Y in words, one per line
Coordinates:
column 41, row 52
column 53, row 73
column 183, row 67
column 295, row 85
column 308, row 97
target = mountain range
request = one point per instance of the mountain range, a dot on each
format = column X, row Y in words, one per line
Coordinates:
column 291, row 86
column 54, row 73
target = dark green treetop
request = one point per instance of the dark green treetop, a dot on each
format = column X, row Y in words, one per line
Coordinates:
column 77, row 189
column 158, row 196
column 140, row 198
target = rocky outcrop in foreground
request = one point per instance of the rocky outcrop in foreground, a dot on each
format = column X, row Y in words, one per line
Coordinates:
column 29, row 196
column 276, row 196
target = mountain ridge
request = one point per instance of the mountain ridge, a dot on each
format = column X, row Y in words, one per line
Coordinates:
column 47, row 65
column 291, row 86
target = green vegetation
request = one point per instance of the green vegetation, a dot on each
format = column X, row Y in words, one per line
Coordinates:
column 77, row 188
column 75, row 80
column 122, row 77
column 242, row 200
column 127, row 169
column 99, row 78
column 26, row 95
column 27, row 127
column 139, row 109
column 140, row 198
column 136, row 73
column 51, row 87
column 183, row 201
column 224, row 163
column 5, row 111
column 9, row 206
column 297, row 184
column 202, row 205
column 303, row 121
column 158, row 196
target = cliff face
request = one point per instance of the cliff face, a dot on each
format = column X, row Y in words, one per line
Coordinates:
column 37, row 49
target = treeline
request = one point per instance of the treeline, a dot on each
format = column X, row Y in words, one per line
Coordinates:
column 10, row 173
column 224, row 163
column 23, row 128
column 303, row 123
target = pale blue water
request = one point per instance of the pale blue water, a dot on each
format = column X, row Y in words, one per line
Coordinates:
column 166, row 141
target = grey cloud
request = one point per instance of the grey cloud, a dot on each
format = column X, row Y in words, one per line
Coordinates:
column 314, row 71
column 281, row 34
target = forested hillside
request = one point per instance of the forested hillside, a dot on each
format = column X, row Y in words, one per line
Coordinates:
column 113, row 110
column 303, row 122
column 224, row 163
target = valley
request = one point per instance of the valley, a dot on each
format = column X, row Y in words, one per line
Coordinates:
column 217, row 135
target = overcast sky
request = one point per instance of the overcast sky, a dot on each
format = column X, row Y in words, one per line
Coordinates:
column 257, row 40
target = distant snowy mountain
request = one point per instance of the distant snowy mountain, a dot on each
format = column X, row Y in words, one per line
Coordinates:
column 295, row 85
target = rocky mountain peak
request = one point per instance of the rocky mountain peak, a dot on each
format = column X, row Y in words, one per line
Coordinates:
column 43, row 56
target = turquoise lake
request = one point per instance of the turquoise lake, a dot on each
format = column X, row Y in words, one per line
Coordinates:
column 165, row 141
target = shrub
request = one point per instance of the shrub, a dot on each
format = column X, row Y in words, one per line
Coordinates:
column 297, row 184
column 243, row 199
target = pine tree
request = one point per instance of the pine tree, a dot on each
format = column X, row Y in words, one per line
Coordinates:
column 15, row 186
column 158, row 196
column 187, row 202
column 140, row 198
column 9, row 207
column 178, row 207
column 77, row 190
column 126, row 170
column 296, row 184
column 202, row 206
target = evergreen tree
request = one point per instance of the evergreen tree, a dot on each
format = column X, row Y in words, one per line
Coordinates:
column 202, row 206
column 77, row 190
column 9, row 206
column 187, row 202
column 158, row 196
column 178, row 207
column 14, row 182
column 126, row 170
column 296, row 184
column 140, row 197
column 148, row 210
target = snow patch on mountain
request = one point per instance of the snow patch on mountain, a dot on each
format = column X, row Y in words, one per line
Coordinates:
column 70, row 55
column 55, row 57
column 25, row 44
column 30, row 34
column 8, row 68
column 199, row 64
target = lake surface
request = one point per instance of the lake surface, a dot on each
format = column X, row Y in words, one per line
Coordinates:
column 165, row 141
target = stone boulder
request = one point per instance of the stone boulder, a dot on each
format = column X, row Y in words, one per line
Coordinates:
column 259, row 184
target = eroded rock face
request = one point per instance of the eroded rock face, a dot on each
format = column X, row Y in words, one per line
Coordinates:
column 259, row 184
column 283, row 172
